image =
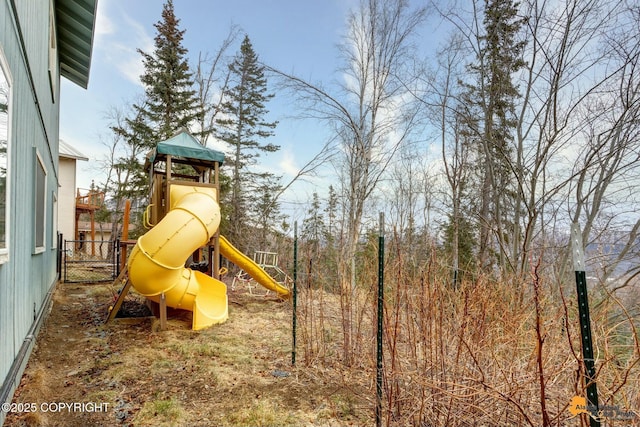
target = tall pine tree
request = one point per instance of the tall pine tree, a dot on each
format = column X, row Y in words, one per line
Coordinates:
column 490, row 122
column 265, row 210
column 242, row 127
column 170, row 102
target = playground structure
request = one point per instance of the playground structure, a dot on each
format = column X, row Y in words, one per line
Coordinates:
column 268, row 261
column 183, row 219
column 87, row 202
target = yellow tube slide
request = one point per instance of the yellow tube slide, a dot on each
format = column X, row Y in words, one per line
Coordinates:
column 254, row 270
column 156, row 264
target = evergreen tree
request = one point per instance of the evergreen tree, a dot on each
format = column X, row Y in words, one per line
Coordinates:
column 463, row 246
column 127, row 178
column 313, row 228
column 264, row 210
column 169, row 104
column 332, row 215
column 170, row 100
column 242, row 127
column 490, row 122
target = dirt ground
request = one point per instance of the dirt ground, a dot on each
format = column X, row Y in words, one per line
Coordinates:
column 84, row 372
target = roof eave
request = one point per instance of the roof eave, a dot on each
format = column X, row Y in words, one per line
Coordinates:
column 75, row 24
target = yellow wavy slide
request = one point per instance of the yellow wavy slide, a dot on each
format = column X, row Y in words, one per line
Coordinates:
column 156, row 264
column 251, row 267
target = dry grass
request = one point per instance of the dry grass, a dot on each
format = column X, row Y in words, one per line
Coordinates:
column 469, row 356
column 222, row 376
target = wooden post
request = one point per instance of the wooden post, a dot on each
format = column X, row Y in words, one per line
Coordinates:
column 167, row 195
column 216, row 237
column 125, row 234
column 123, row 293
column 163, row 312
column 93, row 232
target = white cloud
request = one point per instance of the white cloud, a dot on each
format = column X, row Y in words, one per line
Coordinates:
column 136, row 34
column 104, row 24
column 129, row 64
column 131, row 36
column 118, row 38
column 288, row 163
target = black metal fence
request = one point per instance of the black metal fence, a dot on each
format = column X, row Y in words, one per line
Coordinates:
column 89, row 261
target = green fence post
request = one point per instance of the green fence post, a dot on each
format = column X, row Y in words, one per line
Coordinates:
column 585, row 323
column 380, row 323
column 295, row 292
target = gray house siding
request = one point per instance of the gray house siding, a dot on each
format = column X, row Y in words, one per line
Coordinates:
column 28, row 274
column 28, row 271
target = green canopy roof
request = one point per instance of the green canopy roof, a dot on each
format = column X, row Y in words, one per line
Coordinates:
column 187, row 146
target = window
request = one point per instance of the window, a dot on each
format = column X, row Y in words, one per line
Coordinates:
column 40, row 203
column 5, row 100
column 53, row 54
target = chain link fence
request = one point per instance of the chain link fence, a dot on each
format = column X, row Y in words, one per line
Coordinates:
column 88, row 261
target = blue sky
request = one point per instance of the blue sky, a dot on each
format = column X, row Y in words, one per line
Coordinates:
column 292, row 35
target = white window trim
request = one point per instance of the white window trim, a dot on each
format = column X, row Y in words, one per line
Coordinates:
column 42, row 248
column 54, row 221
column 4, row 252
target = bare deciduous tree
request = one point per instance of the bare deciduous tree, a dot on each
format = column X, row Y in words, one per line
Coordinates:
column 211, row 79
column 370, row 116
